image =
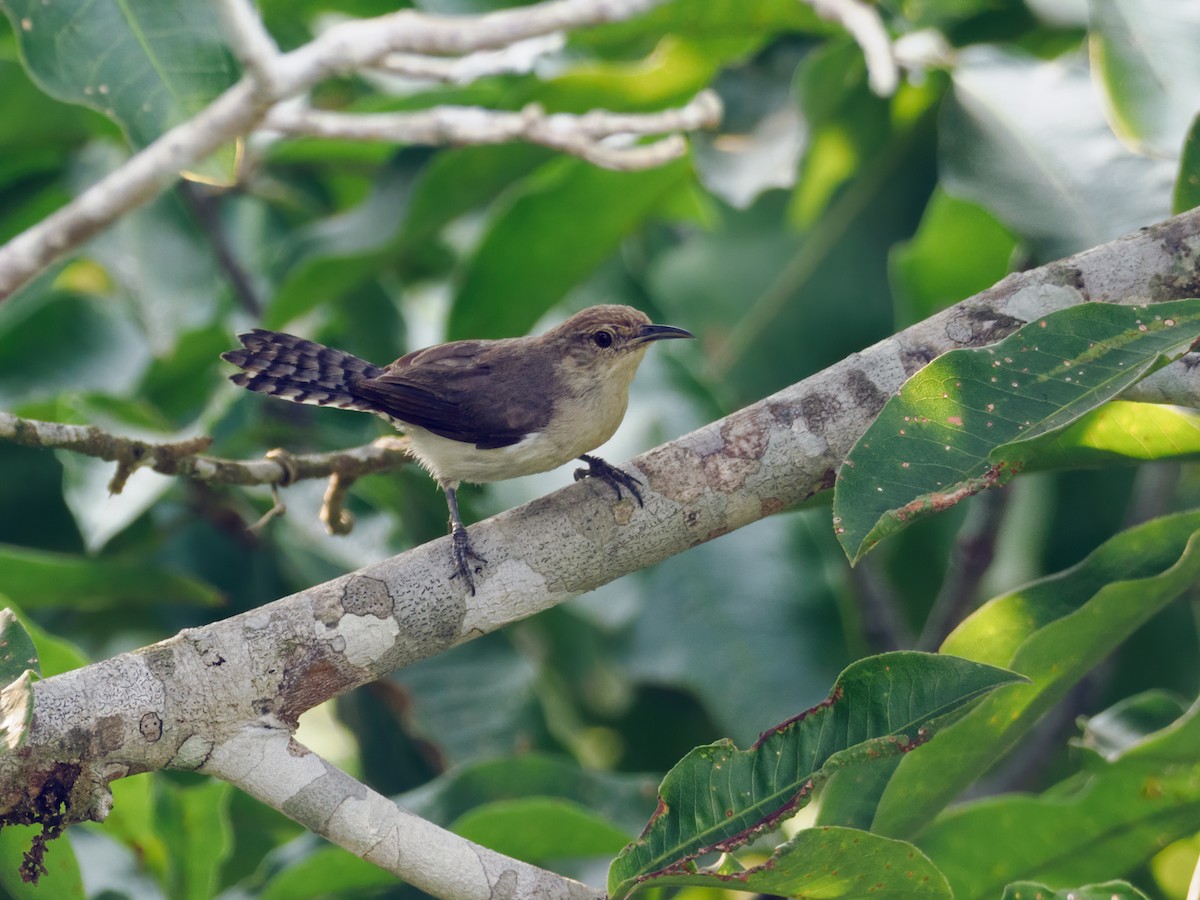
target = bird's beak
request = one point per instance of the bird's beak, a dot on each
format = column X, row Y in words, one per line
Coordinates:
column 650, row 333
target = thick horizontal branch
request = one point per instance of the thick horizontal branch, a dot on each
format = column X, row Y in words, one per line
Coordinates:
column 345, row 48
column 173, row 704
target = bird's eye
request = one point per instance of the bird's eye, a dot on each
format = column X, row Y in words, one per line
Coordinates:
column 603, row 338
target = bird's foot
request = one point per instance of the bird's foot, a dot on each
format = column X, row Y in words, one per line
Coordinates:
column 464, row 555
column 616, row 478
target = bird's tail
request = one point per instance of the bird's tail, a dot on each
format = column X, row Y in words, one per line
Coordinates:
column 286, row 366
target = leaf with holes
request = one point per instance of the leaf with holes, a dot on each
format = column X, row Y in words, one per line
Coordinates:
column 968, row 421
column 718, row 797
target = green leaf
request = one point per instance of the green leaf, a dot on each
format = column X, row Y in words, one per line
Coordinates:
column 1127, row 722
column 37, row 579
column 1109, row 890
column 718, row 797
column 1187, row 183
column 63, row 879
column 959, row 250
column 17, row 652
column 1143, row 56
column 1123, row 813
column 1054, row 631
column 966, row 421
column 542, row 245
column 1119, row 432
column 54, row 654
column 615, row 796
column 537, row 829
column 833, row 863
column 194, row 824
column 329, row 872
column 148, row 64
column 1013, row 138
column 332, row 255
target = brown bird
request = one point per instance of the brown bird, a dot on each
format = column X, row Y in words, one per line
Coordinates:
column 478, row 411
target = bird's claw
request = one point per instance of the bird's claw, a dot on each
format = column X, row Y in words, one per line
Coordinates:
column 464, row 555
column 614, row 477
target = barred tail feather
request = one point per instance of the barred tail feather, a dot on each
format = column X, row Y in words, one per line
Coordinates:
column 302, row 371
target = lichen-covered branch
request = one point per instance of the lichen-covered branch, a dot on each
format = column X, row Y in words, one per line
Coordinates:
column 272, row 77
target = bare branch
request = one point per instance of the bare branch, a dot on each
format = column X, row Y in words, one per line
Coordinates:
column 347, row 47
column 183, row 457
column 578, row 135
column 514, row 59
column 866, row 27
column 263, row 760
column 252, row 44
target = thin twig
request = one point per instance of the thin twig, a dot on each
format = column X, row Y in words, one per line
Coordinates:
column 251, row 42
column 184, row 458
column 201, row 206
column 578, row 135
column 866, row 27
column 517, row 58
column 969, row 561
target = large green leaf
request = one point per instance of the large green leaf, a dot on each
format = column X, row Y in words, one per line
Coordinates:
column 148, row 64
column 194, row 824
column 832, row 863
column 36, row 580
column 718, row 797
column 1026, row 139
column 615, row 796
column 63, row 879
column 539, row 829
column 1053, row 631
column 1120, row 432
column 968, row 420
column 959, row 250
column 1101, row 826
column 1143, row 55
column 541, row 246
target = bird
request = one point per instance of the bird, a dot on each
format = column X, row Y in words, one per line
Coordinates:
column 478, row 411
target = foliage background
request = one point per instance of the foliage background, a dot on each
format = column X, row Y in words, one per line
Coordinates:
column 819, row 220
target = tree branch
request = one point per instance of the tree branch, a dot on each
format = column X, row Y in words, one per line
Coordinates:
column 344, row 48
column 278, row 468
column 175, row 704
column 514, row 59
column 578, row 135
column 866, row 27
column 270, row 765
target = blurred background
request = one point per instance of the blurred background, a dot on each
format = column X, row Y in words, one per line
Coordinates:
column 819, row 219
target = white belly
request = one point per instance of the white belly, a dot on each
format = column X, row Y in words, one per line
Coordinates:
column 453, row 461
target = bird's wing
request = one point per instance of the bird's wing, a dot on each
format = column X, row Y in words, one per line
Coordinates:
column 458, row 392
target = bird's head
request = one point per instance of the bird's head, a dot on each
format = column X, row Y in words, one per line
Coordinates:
column 609, row 340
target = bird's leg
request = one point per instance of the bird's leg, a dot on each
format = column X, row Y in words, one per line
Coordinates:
column 463, row 554
column 616, row 478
